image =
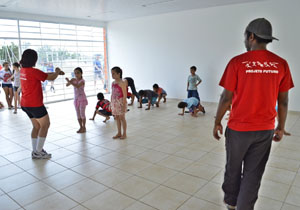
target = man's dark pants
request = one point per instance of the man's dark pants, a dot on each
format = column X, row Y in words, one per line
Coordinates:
column 246, row 156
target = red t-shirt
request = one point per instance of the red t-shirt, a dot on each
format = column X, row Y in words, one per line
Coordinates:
column 32, row 94
column 255, row 78
column 104, row 104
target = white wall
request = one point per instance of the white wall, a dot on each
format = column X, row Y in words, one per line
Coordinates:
column 160, row 49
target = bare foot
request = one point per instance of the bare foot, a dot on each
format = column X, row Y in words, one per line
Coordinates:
column 165, row 100
column 79, row 131
column 286, row 133
column 92, row 119
column 130, row 104
column 157, row 104
column 117, row 136
column 123, row 137
column 107, row 118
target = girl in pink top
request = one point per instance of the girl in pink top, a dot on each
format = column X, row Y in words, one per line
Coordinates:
column 119, row 101
column 80, row 100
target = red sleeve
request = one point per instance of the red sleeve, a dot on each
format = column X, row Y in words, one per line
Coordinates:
column 287, row 82
column 39, row 75
column 229, row 78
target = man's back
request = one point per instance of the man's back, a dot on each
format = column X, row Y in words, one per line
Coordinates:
column 256, row 77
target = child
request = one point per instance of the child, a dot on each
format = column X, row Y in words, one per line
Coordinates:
column 32, row 101
column 7, row 86
column 193, row 82
column 193, row 104
column 149, row 97
column 105, row 105
column 17, row 85
column 119, row 101
column 80, row 100
column 130, row 83
column 161, row 93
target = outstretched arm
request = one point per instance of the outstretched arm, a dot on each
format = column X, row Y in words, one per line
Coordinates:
column 53, row 76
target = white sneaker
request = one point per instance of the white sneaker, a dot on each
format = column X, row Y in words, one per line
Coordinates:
column 229, row 207
column 40, row 155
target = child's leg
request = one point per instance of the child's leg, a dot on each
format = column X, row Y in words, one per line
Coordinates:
column 83, row 117
column 16, row 101
column 165, row 98
column 11, row 96
column 117, row 117
column 196, row 94
column 6, row 96
column 44, row 124
column 159, row 98
column 34, row 133
column 77, row 108
column 124, row 125
column 103, row 115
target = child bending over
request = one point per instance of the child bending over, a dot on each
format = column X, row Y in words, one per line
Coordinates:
column 147, row 96
column 193, row 104
column 161, row 93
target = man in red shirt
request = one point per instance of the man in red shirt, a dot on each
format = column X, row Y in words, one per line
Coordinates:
column 253, row 82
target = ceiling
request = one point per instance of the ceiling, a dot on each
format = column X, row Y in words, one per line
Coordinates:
column 108, row 10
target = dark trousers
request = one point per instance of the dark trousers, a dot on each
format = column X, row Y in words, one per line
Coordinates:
column 193, row 93
column 246, row 156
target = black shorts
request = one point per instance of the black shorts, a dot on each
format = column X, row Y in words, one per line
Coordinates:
column 35, row 112
column 16, row 88
column 105, row 113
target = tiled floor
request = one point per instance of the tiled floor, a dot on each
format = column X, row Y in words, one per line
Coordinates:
column 168, row 162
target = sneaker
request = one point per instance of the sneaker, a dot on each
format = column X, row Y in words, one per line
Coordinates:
column 41, row 155
column 15, row 112
column 229, row 207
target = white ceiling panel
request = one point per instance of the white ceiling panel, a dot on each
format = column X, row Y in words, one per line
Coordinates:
column 108, row 10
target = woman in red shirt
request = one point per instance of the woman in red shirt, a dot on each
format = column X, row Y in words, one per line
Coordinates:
column 32, row 101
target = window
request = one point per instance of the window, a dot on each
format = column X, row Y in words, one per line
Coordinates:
column 58, row 45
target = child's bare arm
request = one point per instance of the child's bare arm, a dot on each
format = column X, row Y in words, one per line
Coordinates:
column 11, row 78
column 140, row 100
column 182, row 112
column 149, row 104
column 94, row 115
column 123, row 86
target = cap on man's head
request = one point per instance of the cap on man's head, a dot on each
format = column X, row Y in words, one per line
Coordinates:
column 262, row 28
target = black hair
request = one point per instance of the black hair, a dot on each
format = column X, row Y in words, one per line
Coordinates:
column 100, row 96
column 29, row 58
column 16, row 64
column 79, row 69
column 4, row 63
column 118, row 70
column 155, row 86
column 193, row 68
column 182, row 105
column 258, row 39
column 141, row 93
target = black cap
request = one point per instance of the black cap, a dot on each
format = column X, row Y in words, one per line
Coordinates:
column 262, row 28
